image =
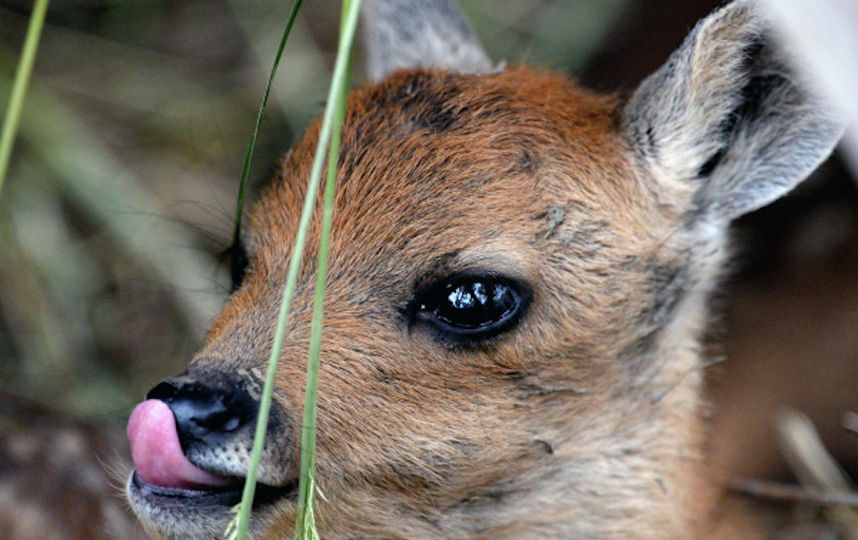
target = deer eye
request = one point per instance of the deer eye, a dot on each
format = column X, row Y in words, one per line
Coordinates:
column 471, row 308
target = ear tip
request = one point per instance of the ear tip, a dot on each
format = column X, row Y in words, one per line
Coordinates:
column 741, row 19
column 403, row 34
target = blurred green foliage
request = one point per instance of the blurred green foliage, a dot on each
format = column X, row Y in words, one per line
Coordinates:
column 123, row 180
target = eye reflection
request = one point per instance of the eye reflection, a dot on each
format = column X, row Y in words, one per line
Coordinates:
column 465, row 297
column 473, row 303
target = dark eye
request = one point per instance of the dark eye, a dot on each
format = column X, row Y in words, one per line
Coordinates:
column 471, row 308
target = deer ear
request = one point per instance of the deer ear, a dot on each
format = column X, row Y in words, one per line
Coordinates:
column 727, row 115
column 419, row 33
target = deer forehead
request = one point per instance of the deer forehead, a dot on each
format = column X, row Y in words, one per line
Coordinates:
column 433, row 162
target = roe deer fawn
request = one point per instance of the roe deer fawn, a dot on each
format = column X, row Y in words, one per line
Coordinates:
column 518, row 285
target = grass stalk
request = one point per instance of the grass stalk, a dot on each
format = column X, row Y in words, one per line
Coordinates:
column 245, row 168
column 19, row 87
column 337, row 89
column 305, row 526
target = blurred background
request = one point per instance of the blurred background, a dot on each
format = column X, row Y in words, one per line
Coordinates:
column 121, row 198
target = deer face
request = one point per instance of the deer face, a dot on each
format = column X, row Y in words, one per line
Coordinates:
column 517, row 282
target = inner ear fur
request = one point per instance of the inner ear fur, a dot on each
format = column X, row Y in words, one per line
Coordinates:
column 728, row 115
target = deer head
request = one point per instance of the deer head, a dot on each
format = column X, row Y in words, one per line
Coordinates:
column 517, row 288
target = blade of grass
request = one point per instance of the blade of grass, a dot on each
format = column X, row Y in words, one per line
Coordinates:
column 245, row 168
column 19, row 87
column 337, row 88
column 306, row 526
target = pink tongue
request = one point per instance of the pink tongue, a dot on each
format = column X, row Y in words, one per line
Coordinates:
column 158, row 455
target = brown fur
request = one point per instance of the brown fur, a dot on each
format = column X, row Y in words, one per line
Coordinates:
column 493, row 434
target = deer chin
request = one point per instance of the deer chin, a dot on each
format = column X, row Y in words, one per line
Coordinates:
column 187, row 514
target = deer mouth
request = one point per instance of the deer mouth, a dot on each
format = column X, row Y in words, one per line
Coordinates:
column 227, row 497
column 164, row 476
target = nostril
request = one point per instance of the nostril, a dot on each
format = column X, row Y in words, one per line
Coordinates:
column 200, row 414
column 205, row 413
column 232, row 423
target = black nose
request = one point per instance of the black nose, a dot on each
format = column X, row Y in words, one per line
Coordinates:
column 206, row 412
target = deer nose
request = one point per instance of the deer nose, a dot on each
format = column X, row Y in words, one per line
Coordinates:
column 205, row 413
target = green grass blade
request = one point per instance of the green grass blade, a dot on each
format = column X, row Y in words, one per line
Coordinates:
column 245, row 168
column 338, row 84
column 305, row 526
column 19, row 87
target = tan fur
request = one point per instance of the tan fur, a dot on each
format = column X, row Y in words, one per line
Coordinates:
column 584, row 421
